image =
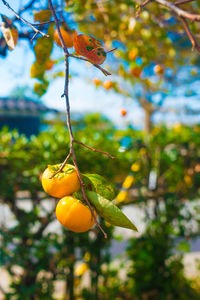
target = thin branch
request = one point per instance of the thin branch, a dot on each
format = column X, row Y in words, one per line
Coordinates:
column 24, row 21
column 72, row 140
column 62, row 166
column 140, row 7
column 179, row 12
column 105, row 72
column 190, row 35
column 95, row 150
column 34, row 36
column 111, row 50
column 43, row 23
column 181, row 2
column 29, row 5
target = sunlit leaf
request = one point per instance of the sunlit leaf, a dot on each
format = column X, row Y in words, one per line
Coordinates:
column 99, row 185
column 110, row 212
column 90, row 48
column 43, row 15
column 10, row 32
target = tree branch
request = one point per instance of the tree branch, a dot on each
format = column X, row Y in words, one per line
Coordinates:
column 72, row 140
column 190, row 35
column 181, row 2
column 24, row 21
column 105, row 72
column 93, row 149
column 179, row 12
column 140, row 7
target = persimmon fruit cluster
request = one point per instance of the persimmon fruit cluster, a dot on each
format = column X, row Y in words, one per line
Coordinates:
column 70, row 212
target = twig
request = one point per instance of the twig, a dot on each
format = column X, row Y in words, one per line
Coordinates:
column 141, row 7
column 178, row 11
column 181, row 2
column 111, row 50
column 24, row 21
column 43, row 23
column 62, row 166
column 72, row 140
column 105, row 72
column 190, row 35
column 34, row 36
column 93, row 149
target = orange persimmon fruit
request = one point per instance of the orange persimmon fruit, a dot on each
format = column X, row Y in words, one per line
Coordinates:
column 136, row 72
column 108, row 84
column 90, row 48
column 49, row 64
column 159, row 69
column 96, row 81
column 123, row 112
column 62, row 184
column 67, row 37
column 74, row 215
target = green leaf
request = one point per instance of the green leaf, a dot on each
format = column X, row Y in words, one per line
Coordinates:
column 99, row 184
column 183, row 247
column 110, row 212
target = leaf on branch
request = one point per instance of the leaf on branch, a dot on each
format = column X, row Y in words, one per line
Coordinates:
column 44, row 46
column 42, row 15
column 10, row 32
column 41, row 88
column 98, row 184
column 90, row 48
column 110, row 212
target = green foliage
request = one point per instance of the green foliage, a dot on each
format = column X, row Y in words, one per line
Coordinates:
column 29, row 242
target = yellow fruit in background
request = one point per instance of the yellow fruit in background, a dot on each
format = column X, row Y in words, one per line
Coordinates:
column 81, row 269
column 74, row 215
column 122, row 196
column 188, row 180
column 128, row 182
column 108, row 84
column 135, row 167
column 86, row 257
column 96, row 81
column 133, row 54
column 63, row 184
column 177, row 127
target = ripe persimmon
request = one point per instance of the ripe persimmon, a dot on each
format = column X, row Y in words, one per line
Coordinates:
column 108, row 84
column 96, row 81
column 123, row 112
column 62, row 184
column 136, row 72
column 67, row 37
column 74, row 215
column 159, row 69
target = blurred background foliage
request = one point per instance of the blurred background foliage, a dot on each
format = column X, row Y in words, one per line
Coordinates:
column 37, row 252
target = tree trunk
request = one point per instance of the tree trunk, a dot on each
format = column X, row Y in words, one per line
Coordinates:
column 148, row 121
